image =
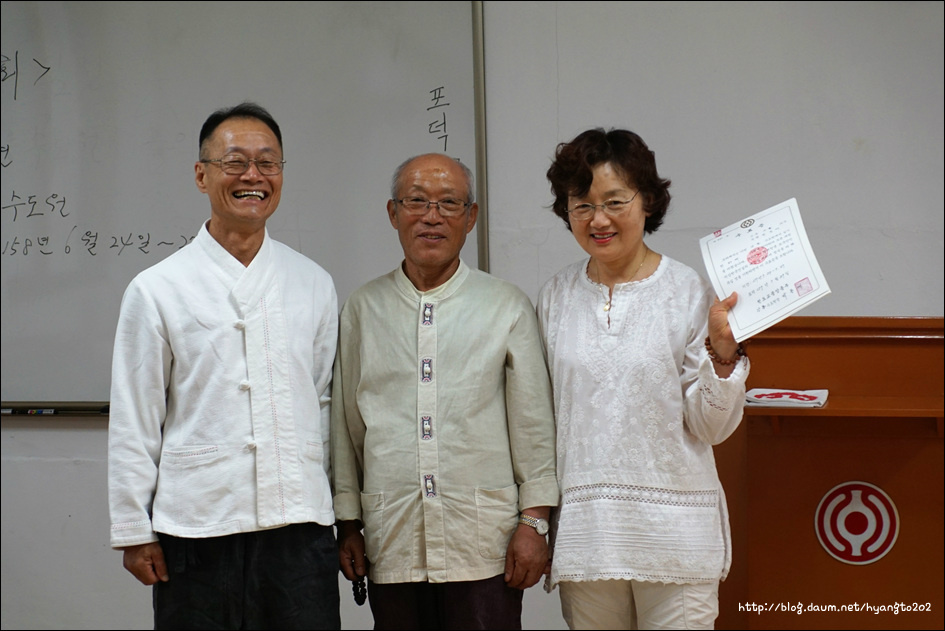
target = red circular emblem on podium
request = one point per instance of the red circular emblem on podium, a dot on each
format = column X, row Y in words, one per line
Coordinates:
column 856, row 523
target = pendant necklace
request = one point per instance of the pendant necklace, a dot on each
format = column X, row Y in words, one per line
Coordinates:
column 600, row 286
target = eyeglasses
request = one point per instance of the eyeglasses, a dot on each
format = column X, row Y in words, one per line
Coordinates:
column 238, row 166
column 447, row 207
column 612, row 208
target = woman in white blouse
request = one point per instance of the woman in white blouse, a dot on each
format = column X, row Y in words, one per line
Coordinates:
column 647, row 377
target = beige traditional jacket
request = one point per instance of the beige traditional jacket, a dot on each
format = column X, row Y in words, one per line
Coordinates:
column 442, row 426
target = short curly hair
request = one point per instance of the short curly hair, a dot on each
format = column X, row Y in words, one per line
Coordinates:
column 571, row 172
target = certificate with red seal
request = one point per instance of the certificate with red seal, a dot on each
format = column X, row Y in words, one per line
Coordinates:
column 768, row 260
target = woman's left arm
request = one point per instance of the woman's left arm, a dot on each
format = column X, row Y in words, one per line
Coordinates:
column 723, row 349
column 714, row 374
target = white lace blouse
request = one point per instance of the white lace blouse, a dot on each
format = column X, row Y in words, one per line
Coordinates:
column 638, row 407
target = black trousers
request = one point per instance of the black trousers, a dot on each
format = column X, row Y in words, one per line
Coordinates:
column 284, row 578
column 485, row 604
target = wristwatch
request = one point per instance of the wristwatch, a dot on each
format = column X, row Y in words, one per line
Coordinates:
column 540, row 525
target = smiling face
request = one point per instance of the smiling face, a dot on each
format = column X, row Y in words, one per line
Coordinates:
column 431, row 242
column 240, row 203
column 614, row 242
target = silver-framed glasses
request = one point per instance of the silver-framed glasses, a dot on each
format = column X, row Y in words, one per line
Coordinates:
column 448, row 207
column 611, row 207
column 235, row 165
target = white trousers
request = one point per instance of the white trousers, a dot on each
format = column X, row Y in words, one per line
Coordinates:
column 619, row 604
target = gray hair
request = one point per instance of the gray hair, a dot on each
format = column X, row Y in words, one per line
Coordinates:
column 399, row 171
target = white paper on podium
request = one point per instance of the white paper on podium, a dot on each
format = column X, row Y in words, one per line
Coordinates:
column 781, row 397
column 768, row 260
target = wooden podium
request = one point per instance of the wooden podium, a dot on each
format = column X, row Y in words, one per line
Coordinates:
column 882, row 425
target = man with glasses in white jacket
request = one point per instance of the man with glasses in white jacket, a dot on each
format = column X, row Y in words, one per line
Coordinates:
column 220, row 403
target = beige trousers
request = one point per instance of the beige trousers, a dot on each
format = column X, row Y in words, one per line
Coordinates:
column 619, row 604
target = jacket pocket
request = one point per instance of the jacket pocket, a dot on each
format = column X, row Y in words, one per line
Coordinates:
column 194, row 486
column 190, row 456
column 496, row 516
column 372, row 514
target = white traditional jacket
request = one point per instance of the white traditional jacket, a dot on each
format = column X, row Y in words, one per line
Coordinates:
column 220, row 399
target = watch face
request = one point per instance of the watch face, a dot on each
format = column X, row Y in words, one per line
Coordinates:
column 540, row 525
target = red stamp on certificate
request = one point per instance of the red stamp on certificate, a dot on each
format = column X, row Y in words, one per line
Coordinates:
column 757, row 255
column 803, row 287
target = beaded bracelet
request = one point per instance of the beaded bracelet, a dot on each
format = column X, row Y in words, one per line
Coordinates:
column 739, row 353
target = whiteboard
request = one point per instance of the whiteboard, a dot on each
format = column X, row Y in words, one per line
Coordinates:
column 102, row 103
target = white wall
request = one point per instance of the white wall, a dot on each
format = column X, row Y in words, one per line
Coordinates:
column 839, row 105
column 745, row 105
